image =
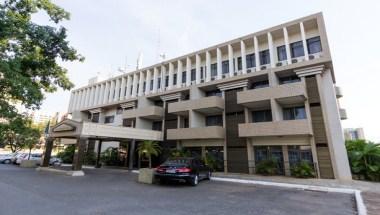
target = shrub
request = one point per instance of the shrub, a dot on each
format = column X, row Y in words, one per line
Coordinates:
column 302, row 170
column 110, row 157
column 89, row 158
column 176, row 153
column 68, row 154
column 266, row 167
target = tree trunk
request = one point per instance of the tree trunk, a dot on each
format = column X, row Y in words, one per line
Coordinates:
column 30, row 151
column 150, row 162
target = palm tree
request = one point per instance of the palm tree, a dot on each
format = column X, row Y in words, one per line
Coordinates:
column 147, row 149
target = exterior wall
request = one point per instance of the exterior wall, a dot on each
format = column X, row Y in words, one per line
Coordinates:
column 178, row 112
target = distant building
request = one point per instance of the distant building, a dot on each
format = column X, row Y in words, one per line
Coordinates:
column 354, row 134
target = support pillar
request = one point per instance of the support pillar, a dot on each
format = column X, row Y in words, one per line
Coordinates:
column 286, row 160
column 79, row 154
column 97, row 164
column 47, row 154
column 131, row 154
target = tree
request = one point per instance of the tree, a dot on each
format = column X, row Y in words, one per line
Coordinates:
column 148, row 148
column 31, row 138
column 29, row 55
column 11, row 132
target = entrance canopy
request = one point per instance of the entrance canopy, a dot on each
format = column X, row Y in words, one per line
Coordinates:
column 75, row 129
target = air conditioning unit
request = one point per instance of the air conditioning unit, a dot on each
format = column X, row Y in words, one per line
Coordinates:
column 212, row 78
column 294, row 60
column 263, row 67
column 202, row 80
column 235, row 73
column 249, row 70
column 311, row 57
column 279, row 64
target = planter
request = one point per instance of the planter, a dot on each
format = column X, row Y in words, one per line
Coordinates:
column 146, row 176
column 28, row 163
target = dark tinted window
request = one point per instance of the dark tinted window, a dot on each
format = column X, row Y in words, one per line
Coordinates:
column 193, row 75
column 289, row 79
column 214, row 93
column 296, row 49
column 157, row 126
column 216, row 120
column 314, row 45
column 225, row 67
column 166, row 81
column 281, row 53
column 262, row 116
column 294, row 113
column 119, row 110
column 251, row 61
column 184, row 77
column 239, row 63
column 175, row 79
column 109, row 119
column 260, row 84
column 264, row 57
column 214, row 71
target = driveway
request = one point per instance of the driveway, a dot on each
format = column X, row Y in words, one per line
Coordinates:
column 104, row 191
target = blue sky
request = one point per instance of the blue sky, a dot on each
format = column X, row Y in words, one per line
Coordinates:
column 111, row 32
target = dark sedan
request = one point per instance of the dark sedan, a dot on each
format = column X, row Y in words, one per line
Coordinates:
column 190, row 170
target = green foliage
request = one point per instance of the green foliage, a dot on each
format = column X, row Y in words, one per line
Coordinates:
column 364, row 159
column 212, row 162
column 110, row 157
column 89, row 158
column 176, row 153
column 67, row 155
column 148, row 148
column 29, row 54
column 303, row 170
column 266, row 167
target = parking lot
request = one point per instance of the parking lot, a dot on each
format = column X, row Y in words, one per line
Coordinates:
column 105, row 191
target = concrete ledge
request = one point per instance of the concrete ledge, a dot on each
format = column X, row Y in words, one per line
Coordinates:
column 59, row 171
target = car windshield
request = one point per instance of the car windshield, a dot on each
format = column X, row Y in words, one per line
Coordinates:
column 177, row 162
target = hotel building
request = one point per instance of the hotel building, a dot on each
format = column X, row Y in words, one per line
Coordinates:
column 266, row 95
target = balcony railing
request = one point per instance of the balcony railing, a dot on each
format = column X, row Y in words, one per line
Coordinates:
column 210, row 132
column 206, row 105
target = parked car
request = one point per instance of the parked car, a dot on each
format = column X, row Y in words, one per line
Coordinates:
column 34, row 156
column 20, row 156
column 190, row 170
column 7, row 158
column 54, row 161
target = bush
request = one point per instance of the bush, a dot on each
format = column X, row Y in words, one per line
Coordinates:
column 176, row 153
column 266, row 167
column 68, row 154
column 303, row 170
column 89, row 158
column 110, row 157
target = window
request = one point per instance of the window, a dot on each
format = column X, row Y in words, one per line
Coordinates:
column 264, row 57
column 262, row 116
column 216, row 120
column 314, row 45
column 193, row 75
column 119, row 110
column 281, row 53
column 184, row 77
column 251, row 61
column 151, row 84
column 129, row 123
column 175, row 79
column 225, row 67
column 95, row 117
column 298, row 154
column 159, row 103
column 296, row 49
column 214, row 93
column 166, row 81
column 202, row 73
column 239, row 63
column 289, row 79
column 214, row 71
column 109, row 119
column 144, row 86
column 260, row 84
column 159, row 83
column 157, row 126
column 294, row 113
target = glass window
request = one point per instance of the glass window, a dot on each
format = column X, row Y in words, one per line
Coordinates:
column 119, row 110
column 225, row 67
column 214, row 71
column 193, row 75
column 144, row 86
column 157, row 126
column 109, row 119
column 281, row 53
column 296, row 49
column 184, row 77
column 95, row 117
column 298, row 154
column 216, row 120
column 251, row 61
column 264, row 57
column 260, row 84
column 262, row 116
column 289, row 79
column 175, row 79
column 239, row 63
column 294, row 113
column 214, row 93
column 314, row 45
column 166, row 81
column 159, row 83
column 202, row 73
column 151, row 84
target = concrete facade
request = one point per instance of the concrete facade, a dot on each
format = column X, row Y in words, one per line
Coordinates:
column 266, row 95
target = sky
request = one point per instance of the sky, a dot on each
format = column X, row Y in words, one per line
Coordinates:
column 110, row 34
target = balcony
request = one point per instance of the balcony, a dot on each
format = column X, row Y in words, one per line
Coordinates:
column 151, row 112
column 338, row 92
column 277, row 128
column 210, row 132
column 342, row 113
column 286, row 93
column 206, row 105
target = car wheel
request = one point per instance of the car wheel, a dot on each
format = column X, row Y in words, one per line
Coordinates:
column 208, row 176
column 7, row 161
column 195, row 180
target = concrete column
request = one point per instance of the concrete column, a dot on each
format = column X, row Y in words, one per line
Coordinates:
column 163, row 78
column 134, row 85
column 101, row 95
column 219, row 63
column 87, row 100
column 188, row 71
column 79, row 100
column 179, row 73
column 98, row 152
column 208, row 66
column 147, row 81
column 155, row 80
column 112, row 91
column 271, row 51
column 171, row 75
column 287, row 46
column 106, row 92
column 251, row 158
column 197, row 69
column 132, row 149
column 122, row 86
column 243, row 57
column 141, row 84
column 286, row 160
column 230, row 60
column 129, row 85
column 304, row 41
column 97, row 95
column 89, row 93
column 93, row 96
column 276, row 110
column 47, row 154
column 72, row 94
column 272, row 79
column 117, row 89
column 257, row 56
column 79, row 154
column 76, row 101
